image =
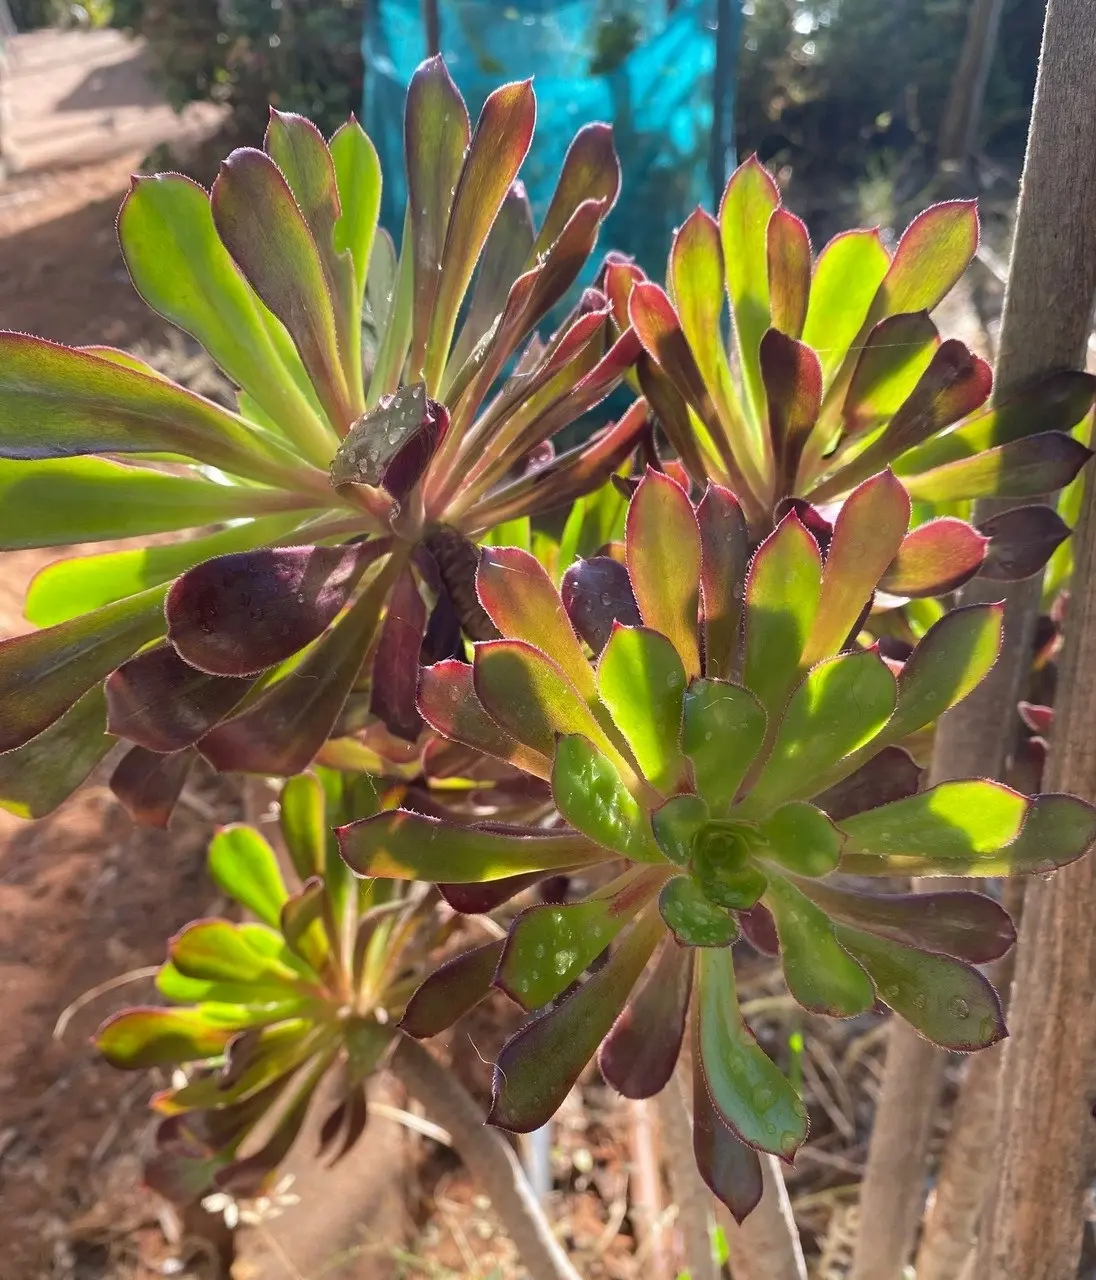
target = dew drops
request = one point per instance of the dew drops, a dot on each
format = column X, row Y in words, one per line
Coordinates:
column 671, row 680
column 523, row 985
column 606, row 598
column 539, row 952
column 958, row 1007
column 788, row 1142
column 763, row 1098
column 708, row 736
column 920, row 1000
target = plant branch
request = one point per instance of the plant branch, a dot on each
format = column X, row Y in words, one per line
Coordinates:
column 489, row 1157
column 691, row 1195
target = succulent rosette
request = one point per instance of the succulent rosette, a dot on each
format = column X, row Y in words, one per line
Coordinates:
column 260, row 1012
column 725, row 759
column 388, row 410
column 788, row 377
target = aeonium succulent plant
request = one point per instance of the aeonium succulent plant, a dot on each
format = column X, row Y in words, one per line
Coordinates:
column 831, row 368
column 379, row 426
column 260, row 1012
column 723, row 765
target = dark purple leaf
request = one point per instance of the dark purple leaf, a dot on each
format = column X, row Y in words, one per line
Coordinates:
column 731, row 1170
column 759, row 929
column 639, row 1054
column 596, row 594
column 349, row 1119
column 149, row 784
column 725, row 552
column 537, row 1067
column 893, row 774
column 240, row 614
column 1039, row 719
column 478, row 899
column 281, row 732
column 451, row 991
column 968, row 926
column 792, row 376
column 396, row 665
column 1021, row 541
column 163, row 704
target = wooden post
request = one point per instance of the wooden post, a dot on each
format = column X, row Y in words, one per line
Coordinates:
column 1041, row 1165
column 1045, row 326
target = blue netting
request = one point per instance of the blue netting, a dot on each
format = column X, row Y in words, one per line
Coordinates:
column 647, row 71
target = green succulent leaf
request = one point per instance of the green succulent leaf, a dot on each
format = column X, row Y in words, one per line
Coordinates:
column 676, row 825
column 243, row 866
column 264, row 229
column 521, row 601
column 58, row 501
column 820, row 973
column 965, row 820
column 731, row 1169
column 537, row 1067
column 1024, row 468
column 1057, row 402
column 664, row 554
column 947, row 1001
column 549, row 947
column 218, row 951
column 840, row 705
column 36, row 777
column 304, row 825
column 789, row 258
column 783, row 589
column 952, row 657
column 591, row 796
column 697, row 287
column 691, row 918
column 436, row 137
column 867, row 535
column 68, row 588
column 42, row 674
column 892, row 362
column 141, row 1038
column 748, row 204
column 935, row 558
column 400, row 845
column 846, row 277
column 746, row 1087
column 447, row 701
column 358, row 180
column 801, row 838
column 182, row 270
column 934, row 251
column 641, row 681
column 723, row 727
column 59, row 403
column 529, row 696
column 495, row 153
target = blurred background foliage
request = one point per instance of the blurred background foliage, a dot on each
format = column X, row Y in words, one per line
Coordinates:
column 832, row 94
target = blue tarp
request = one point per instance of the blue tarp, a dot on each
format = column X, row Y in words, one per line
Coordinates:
column 631, row 62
